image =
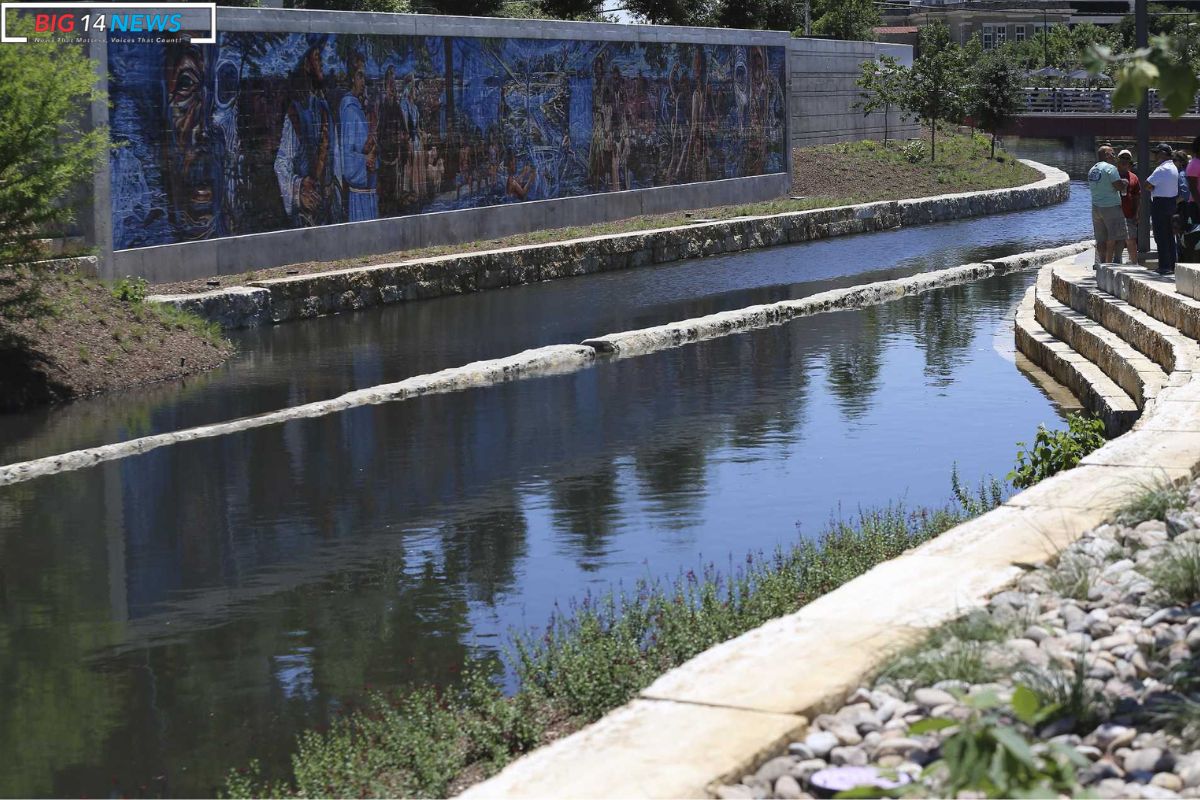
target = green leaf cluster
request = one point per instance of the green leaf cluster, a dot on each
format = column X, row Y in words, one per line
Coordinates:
column 1054, row 451
column 988, row 753
column 46, row 148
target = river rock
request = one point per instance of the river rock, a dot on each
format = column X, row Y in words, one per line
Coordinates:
column 820, row 743
column 846, row 733
column 735, row 792
column 1167, row 780
column 788, row 787
column 848, row 757
column 1109, row 736
column 771, row 770
column 931, row 698
column 803, row 769
column 800, row 751
column 1150, row 759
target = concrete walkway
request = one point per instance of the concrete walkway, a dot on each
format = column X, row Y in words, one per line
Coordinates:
column 735, row 705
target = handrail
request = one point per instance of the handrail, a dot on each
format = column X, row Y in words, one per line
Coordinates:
column 1082, row 100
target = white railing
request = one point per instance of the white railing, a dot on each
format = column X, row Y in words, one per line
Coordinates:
column 1059, row 100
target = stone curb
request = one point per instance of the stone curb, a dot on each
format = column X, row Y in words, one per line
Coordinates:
column 550, row 360
column 806, row 663
column 307, row 296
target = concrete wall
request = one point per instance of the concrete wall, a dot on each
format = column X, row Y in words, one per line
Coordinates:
column 822, row 92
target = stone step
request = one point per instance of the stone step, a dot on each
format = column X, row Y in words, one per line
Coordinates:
column 1187, row 280
column 1098, row 393
column 1153, row 294
column 1137, row 375
column 1075, row 286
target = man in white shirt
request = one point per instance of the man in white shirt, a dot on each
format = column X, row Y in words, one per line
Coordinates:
column 1164, row 193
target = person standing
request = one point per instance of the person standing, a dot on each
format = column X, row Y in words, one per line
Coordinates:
column 1164, row 192
column 1130, row 201
column 1192, row 174
column 1108, row 222
column 358, row 148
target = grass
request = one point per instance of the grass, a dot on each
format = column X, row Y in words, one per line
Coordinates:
column 822, row 177
column 1152, row 501
column 1176, row 576
column 954, row 651
column 592, row 656
column 1073, row 577
column 1067, row 692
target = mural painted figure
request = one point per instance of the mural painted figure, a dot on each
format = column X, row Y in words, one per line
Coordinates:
column 268, row 131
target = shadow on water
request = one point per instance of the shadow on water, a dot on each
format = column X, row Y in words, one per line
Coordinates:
column 168, row 616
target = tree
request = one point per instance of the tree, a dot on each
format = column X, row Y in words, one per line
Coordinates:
column 1162, row 65
column 45, row 150
column 775, row 15
column 997, row 95
column 935, row 91
column 854, row 20
column 674, row 12
column 882, row 84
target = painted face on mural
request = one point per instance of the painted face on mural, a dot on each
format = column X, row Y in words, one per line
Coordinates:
column 193, row 189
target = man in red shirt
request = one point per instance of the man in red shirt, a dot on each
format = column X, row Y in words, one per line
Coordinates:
column 1130, row 200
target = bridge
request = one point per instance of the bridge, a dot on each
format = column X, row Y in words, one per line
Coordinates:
column 1057, row 112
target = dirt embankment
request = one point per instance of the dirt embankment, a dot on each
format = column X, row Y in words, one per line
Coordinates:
column 63, row 335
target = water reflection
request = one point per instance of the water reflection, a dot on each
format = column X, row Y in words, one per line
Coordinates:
column 296, row 363
column 170, row 615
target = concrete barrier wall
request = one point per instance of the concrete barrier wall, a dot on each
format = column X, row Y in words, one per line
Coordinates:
column 305, row 134
column 822, row 92
column 807, row 99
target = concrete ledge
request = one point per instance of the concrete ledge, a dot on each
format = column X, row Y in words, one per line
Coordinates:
column 1075, row 286
column 551, row 360
column 306, row 296
column 1095, row 390
column 1136, row 374
column 1187, row 280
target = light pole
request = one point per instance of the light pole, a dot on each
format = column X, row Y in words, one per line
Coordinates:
column 1141, row 23
column 1045, row 39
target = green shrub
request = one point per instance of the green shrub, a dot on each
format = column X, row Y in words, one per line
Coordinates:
column 990, row 754
column 915, row 151
column 130, row 289
column 1054, row 451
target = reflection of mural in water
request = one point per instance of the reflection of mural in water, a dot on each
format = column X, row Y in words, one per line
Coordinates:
column 269, row 131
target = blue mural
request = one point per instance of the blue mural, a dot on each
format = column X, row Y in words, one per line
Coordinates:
column 262, row 132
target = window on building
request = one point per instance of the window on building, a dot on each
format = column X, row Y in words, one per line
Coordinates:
column 1001, row 34
column 1019, row 33
column 989, row 37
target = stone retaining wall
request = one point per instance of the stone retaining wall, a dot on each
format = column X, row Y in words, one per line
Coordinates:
column 306, row 296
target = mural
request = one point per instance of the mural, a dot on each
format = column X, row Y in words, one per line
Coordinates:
column 262, row 132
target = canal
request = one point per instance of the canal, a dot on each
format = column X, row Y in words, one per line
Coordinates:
column 175, row 614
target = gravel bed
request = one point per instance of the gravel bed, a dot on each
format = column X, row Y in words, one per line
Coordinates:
column 1099, row 602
